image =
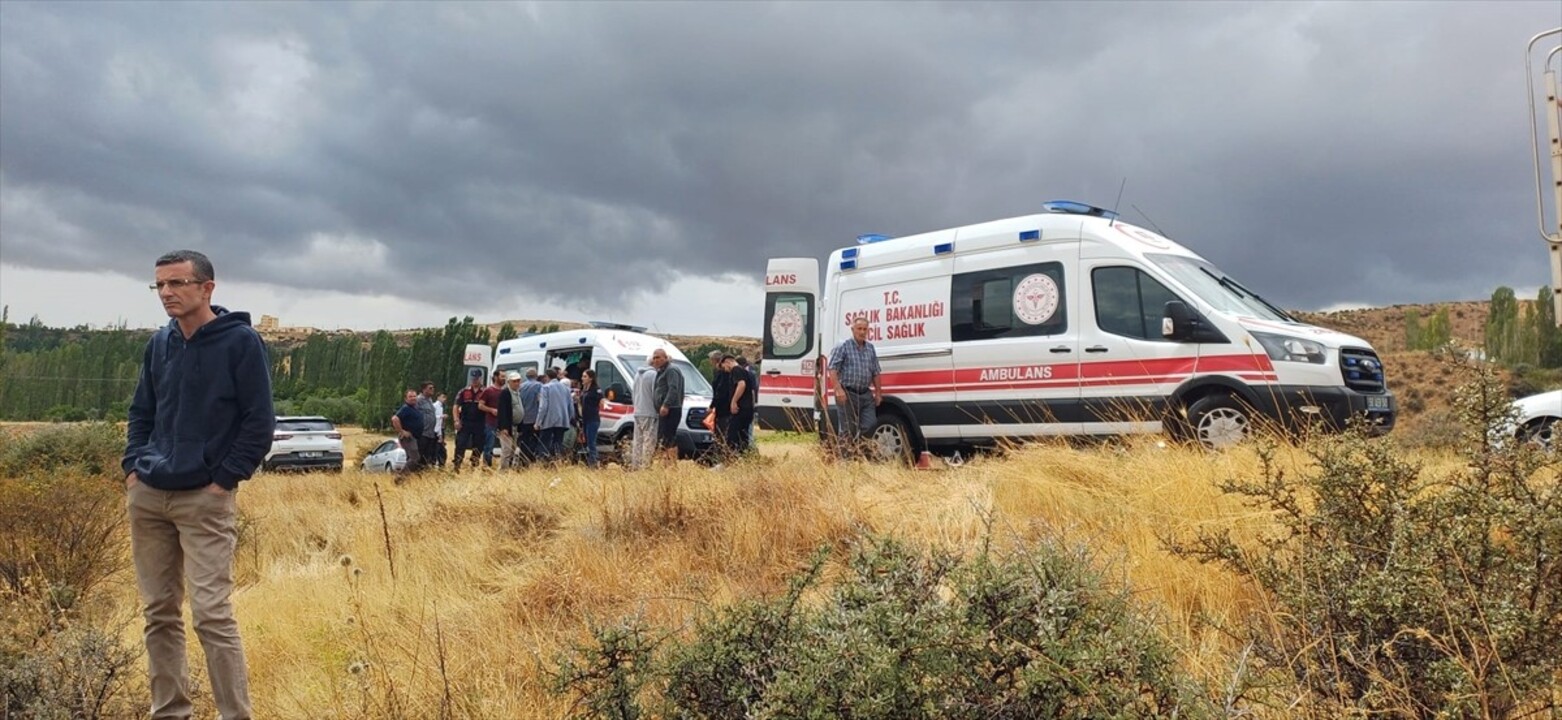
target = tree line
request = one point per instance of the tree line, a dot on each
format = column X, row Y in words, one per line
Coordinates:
column 81, row 374
column 1516, row 335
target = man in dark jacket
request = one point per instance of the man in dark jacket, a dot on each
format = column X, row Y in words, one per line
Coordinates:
column 669, row 404
column 509, row 403
column 200, row 423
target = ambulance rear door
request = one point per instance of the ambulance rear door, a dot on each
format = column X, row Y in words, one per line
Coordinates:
column 790, row 346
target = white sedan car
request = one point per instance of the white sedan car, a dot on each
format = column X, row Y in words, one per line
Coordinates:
column 386, row 457
column 1540, row 417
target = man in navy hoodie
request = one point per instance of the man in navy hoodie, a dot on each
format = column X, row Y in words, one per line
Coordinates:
column 200, row 423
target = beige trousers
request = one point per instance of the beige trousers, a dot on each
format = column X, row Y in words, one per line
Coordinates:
column 507, row 457
column 182, row 539
column 644, row 443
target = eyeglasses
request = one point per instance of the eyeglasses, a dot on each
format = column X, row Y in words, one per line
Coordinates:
column 178, row 284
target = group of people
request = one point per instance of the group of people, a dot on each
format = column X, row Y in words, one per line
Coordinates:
column 525, row 418
column 549, row 417
column 735, row 388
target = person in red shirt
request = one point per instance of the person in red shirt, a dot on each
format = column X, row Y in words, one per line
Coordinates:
column 489, row 403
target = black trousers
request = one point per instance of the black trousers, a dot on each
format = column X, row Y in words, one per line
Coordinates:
column 738, row 427
column 471, row 436
column 527, row 445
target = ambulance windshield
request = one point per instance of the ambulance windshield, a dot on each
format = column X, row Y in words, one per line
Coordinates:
column 1217, row 288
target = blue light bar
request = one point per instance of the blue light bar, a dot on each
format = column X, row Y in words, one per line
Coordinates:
column 871, row 238
column 504, row 351
column 848, row 264
column 943, row 248
column 1070, row 207
column 1030, row 235
column 849, row 253
column 582, row 341
column 542, row 345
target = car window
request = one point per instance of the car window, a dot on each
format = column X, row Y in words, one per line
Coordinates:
column 384, row 447
column 305, row 426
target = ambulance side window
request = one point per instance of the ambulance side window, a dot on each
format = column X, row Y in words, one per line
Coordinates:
column 1022, row 301
column 607, row 374
column 608, row 377
column 517, row 367
column 1129, row 302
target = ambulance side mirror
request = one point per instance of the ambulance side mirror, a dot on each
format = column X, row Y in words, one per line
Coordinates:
column 1175, row 321
column 1183, row 324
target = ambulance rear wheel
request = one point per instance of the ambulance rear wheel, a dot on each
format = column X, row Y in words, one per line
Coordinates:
column 891, row 439
column 623, row 446
column 1219, row 421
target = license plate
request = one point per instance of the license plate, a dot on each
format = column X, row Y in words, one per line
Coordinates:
column 309, row 454
column 1377, row 402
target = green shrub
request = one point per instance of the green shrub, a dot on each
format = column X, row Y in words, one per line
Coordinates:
column 69, row 413
column 1403, row 594
column 62, row 540
column 87, row 448
column 61, row 535
column 905, row 634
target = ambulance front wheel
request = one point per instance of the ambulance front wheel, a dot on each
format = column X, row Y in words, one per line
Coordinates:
column 891, row 438
column 1219, row 420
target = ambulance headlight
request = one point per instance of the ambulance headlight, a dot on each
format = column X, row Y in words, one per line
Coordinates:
column 1282, row 348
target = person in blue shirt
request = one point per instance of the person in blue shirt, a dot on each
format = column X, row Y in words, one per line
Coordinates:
column 408, row 422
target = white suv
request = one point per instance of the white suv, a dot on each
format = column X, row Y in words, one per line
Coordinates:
column 305, row 443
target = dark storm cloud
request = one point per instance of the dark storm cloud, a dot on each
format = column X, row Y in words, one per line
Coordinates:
column 1323, row 153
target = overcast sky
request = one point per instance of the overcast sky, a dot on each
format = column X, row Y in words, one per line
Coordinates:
column 393, row 164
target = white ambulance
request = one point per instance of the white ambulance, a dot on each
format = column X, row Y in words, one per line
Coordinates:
column 1068, row 322
column 616, row 352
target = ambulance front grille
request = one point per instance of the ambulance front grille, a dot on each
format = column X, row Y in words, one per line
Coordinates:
column 1361, row 369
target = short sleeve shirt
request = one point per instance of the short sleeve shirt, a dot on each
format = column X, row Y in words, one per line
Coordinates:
column 490, row 398
column 857, row 364
column 411, row 419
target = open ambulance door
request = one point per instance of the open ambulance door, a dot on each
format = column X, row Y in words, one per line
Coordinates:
column 790, row 346
column 475, row 361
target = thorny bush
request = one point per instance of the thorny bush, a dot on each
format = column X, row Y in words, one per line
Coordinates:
column 1398, row 592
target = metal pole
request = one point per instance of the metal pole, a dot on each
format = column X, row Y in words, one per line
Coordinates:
column 1553, row 113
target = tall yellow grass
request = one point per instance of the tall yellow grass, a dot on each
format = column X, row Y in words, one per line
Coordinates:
column 495, row 573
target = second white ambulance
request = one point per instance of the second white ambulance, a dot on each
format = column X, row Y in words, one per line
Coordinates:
column 617, row 353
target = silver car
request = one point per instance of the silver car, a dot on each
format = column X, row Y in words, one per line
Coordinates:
column 386, row 457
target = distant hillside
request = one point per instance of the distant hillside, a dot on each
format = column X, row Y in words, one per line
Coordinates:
column 1385, row 327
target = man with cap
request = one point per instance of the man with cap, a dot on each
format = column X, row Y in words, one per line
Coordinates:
column 469, row 419
column 509, row 402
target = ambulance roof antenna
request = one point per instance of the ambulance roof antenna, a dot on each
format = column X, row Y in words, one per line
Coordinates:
column 1117, row 202
column 1148, row 220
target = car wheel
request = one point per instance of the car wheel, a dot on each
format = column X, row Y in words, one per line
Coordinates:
column 891, row 440
column 1542, row 433
column 1219, row 421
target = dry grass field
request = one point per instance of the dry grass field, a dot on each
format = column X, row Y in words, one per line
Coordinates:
column 361, row 597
